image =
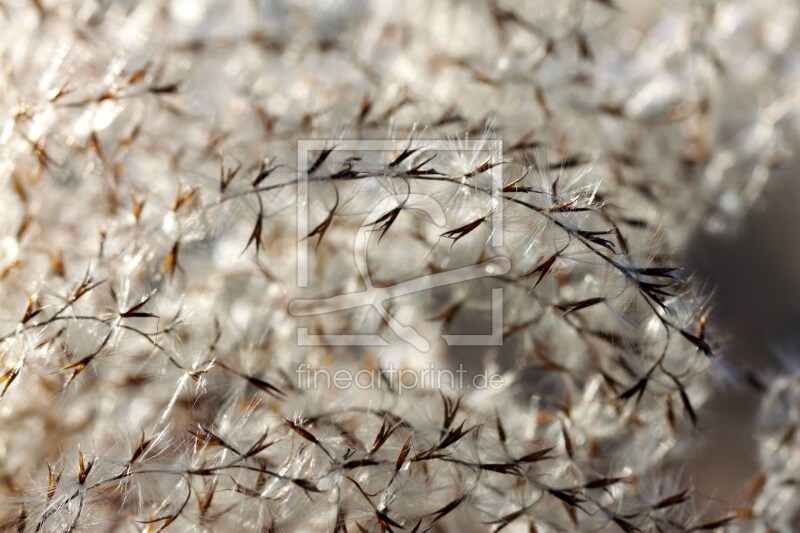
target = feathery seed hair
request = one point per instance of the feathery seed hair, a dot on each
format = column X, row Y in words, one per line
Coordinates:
column 151, row 376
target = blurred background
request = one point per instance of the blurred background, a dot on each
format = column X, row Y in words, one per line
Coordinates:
column 754, row 272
